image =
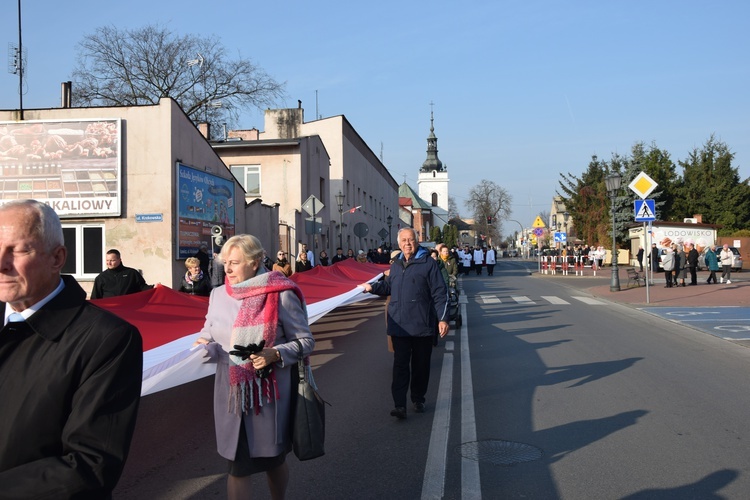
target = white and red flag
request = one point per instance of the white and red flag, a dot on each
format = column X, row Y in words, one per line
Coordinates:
column 170, row 321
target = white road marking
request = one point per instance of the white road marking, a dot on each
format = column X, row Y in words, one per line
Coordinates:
column 555, row 300
column 590, row 301
column 489, row 299
column 521, row 299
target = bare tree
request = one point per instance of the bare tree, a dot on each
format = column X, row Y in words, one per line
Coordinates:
column 452, row 208
column 490, row 205
column 134, row 67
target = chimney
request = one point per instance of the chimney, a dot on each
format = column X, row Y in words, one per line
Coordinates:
column 66, row 95
column 698, row 218
column 205, row 130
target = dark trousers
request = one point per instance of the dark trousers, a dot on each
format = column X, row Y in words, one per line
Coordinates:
column 411, row 363
column 668, row 278
column 490, row 269
column 711, row 277
column 693, row 275
column 726, row 272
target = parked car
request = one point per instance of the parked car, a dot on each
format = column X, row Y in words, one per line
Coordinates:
column 736, row 259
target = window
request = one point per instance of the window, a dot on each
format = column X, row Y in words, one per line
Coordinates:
column 249, row 177
column 85, row 244
column 434, row 199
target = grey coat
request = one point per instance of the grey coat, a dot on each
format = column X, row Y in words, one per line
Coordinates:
column 268, row 432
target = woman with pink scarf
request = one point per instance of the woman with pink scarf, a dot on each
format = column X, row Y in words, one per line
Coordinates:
column 250, row 331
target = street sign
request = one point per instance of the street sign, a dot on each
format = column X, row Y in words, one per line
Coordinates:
column 561, row 237
column 643, row 185
column 538, row 222
column 538, row 231
column 645, row 210
column 312, row 205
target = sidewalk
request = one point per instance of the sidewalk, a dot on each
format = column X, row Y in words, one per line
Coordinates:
column 703, row 295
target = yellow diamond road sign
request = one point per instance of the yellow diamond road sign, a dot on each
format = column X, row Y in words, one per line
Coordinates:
column 538, row 222
column 643, row 185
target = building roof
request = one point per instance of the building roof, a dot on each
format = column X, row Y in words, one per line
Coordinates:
column 405, row 191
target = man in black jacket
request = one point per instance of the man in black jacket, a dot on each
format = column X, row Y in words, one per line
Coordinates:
column 70, row 372
column 692, row 262
column 117, row 279
column 417, row 311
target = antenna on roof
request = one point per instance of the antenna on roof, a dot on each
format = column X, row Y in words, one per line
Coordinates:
column 381, row 151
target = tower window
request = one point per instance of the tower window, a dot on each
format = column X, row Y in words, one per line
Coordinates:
column 434, row 199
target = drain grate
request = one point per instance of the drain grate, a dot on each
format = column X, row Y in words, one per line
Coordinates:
column 498, row 452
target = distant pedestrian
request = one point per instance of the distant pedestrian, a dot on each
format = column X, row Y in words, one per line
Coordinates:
column 692, row 264
column 339, row 256
column 478, row 260
column 323, row 258
column 639, row 257
column 490, row 260
column 712, row 263
column 302, row 264
column 725, row 257
column 653, row 257
column 667, row 264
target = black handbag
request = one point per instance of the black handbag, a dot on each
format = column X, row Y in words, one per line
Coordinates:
column 308, row 422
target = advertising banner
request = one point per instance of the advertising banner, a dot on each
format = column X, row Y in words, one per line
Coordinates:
column 204, row 201
column 72, row 165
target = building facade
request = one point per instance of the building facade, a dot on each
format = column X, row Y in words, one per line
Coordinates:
column 140, row 179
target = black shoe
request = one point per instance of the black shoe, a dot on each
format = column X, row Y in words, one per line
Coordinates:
column 399, row 412
column 419, row 407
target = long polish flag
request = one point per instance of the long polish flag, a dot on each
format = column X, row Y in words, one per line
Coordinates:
column 170, row 321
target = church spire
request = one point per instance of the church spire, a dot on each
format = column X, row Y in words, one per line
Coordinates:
column 432, row 162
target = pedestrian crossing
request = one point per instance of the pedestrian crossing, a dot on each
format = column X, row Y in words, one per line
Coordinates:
column 544, row 299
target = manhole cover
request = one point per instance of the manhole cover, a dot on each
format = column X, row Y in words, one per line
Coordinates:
column 498, row 452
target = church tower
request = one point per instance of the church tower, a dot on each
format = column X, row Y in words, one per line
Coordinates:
column 433, row 176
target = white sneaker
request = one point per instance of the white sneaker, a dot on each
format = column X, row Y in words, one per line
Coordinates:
column 729, row 282
column 721, row 280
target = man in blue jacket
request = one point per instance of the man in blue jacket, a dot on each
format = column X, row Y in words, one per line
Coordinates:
column 418, row 309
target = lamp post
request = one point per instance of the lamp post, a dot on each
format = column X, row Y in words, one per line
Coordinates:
column 612, row 181
column 340, row 203
column 565, row 220
column 389, row 220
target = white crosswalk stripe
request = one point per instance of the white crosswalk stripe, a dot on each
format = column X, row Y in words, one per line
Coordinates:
column 552, row 299
column 489, row 299
column 555, row 300
column 590, row 301
column 522, row 299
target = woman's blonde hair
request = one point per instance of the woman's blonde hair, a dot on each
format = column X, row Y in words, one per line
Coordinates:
column 249, row 246
column 192, row 262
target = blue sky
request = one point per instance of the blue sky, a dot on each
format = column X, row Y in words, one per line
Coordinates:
column 522, row 91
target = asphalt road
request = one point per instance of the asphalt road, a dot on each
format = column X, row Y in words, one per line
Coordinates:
column 546, row 392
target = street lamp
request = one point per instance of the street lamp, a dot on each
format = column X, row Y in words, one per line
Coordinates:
column 565, row 219
column 612, row 182
column 340, row 203
column 389, row 220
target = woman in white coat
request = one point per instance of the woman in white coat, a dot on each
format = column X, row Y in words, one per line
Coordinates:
column 250, row 331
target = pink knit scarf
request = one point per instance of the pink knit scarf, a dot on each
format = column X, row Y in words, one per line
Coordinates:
column 257, row 320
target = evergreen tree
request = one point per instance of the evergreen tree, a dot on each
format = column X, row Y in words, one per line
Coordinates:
column 710, row 186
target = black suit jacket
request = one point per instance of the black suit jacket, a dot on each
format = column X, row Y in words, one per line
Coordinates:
column 70, row 383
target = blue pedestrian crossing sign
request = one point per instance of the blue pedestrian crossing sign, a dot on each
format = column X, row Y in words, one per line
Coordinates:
column 645, row 210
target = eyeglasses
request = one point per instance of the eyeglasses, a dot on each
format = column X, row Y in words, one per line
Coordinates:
column 281, row 254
